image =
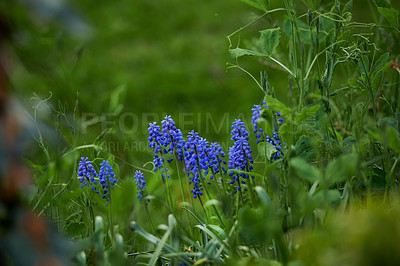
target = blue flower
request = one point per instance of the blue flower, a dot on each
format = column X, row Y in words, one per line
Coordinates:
column 215, row 159
column 274, row 140
column 254, row 120
column 172, row 139
column 87, row 174
column 157, row 142
column 239, row 130
column 154, row 137
column 196, row 161
column 107, row 179
column 240, row 153
column 140, row 184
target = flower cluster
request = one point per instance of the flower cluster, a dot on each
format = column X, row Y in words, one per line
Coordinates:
column 215, row 155
column 193, row 161
column 172, row 138
column 254, row 120
column 87, row 175
column 202, row 159
column 140, row 184
column 274, row 140
column 155, row 143
column 107, row 180
column 165, row 141
column 240, row 153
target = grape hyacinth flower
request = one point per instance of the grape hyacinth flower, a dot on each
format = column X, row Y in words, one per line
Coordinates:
column 215, row 161
column 87, row 174
column 155, row 142
column 256, row 115
column 140, row 184
column 240, row 153
column 172, row 139
column 195, row 159
column 107, row 179
column 274, row 140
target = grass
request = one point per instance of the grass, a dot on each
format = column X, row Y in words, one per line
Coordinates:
column 326, row 68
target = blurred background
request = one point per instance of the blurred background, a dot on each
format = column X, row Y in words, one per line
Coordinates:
column 98, row 72
column 122, row 64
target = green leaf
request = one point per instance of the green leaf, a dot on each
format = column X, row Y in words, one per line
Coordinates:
column 213, row 236
column 314, row 4
column 270, row 39
column 377, row 80
column 174, row 236
column 75, row 229
column 266, row 121
column 304, row 30
column 117, row 99
column 378, row 179
column 342, row 168
column 388, row 121
column 304, row 170
column 382, row 3
column 218, row 229
column 255, row 5
column 393, row 138
column 160, row 247
column 380, row 64
column 348, row 7
column 306, row 113
column 347, row 144
column 238, row 52
column 305, row 149
column 277, row 106
column 271, row 166
column 266, row 149
column 390, row 14
column 285, row 132
column 363, row 65
column 263, row 196
column 255, row 225
column 330, row 196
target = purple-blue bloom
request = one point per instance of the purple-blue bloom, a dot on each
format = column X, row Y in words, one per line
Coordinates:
column 156, row 140
column 274, row 140
column 215, row 161
column 140, row 184
column 196, row 161
column 240, row 153
column 107, row 180
column 154, row 137
column 87, row 174
column 172, row 139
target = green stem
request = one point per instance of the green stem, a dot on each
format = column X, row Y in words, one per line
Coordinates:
column 182, row 190
column 208, row 195
column 237, row 202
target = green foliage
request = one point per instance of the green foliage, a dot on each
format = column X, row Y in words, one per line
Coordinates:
column 334, row 82
column 270, row 39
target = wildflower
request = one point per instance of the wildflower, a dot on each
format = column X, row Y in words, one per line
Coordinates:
column 274, row 140
column 154, row 137
column 239, row 130
column 240, row 153
column 215, row 155
column 87, row 174
column 107, row 179
column 140, row 184
column 196, row 161
column 172, row 138
column 156, row 141
column 254, row 119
